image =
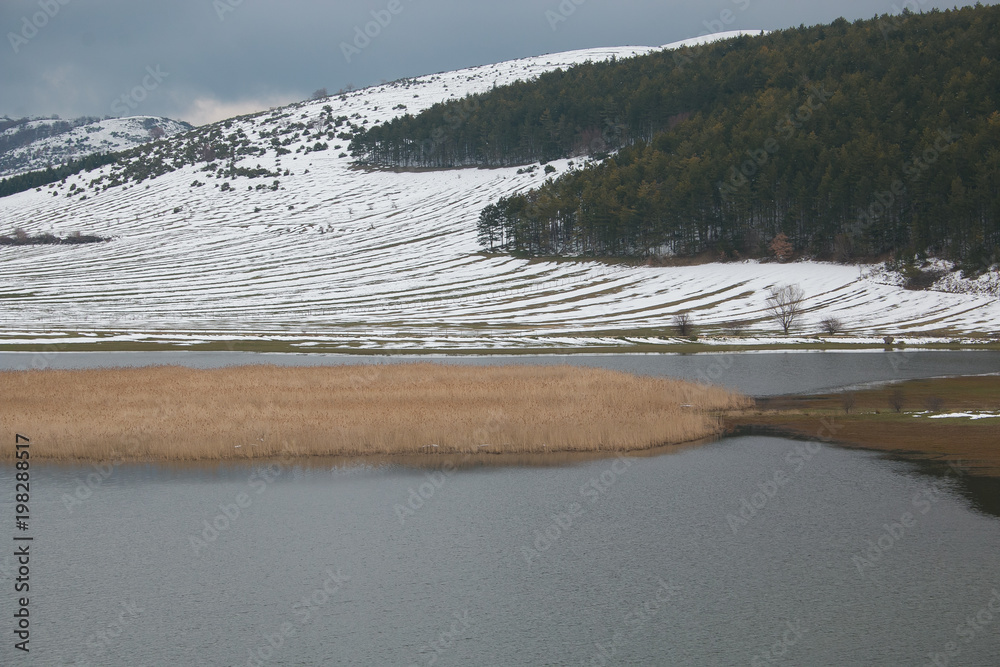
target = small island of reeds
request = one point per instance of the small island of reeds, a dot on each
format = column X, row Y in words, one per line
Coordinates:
column 170, row 413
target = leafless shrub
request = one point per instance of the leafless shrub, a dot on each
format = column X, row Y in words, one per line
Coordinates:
column 832, row 325
column 935, row 403
column 736, row 328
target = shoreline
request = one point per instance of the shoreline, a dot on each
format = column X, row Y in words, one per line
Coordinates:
column 908, row 420
column 678, row 348
column 860, row 418
column 257, row 412
column 456, row 460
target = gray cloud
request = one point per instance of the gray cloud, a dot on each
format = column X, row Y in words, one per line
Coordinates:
column 218, row 58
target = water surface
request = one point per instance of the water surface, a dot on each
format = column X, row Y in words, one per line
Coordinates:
column 758, row 374
column 648, row 561
column 751, row 550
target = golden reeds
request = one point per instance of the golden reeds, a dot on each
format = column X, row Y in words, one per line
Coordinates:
column 173, row 413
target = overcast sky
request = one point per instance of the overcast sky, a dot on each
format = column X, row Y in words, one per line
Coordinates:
column 204, row 60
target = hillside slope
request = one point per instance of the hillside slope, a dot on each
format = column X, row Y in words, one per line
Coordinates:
column 274, row 244
column 33, row 144
column 854, row 140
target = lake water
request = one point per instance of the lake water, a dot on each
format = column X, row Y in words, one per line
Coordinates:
column 747, row 551
column 757, row 374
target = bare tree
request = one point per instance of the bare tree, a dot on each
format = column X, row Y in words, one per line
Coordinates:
column 683, row 324
column 784, row 303
column 896, row 400
column 848, row 401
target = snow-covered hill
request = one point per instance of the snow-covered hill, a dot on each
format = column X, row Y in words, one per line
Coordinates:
column 289, row 243
column 35, row 144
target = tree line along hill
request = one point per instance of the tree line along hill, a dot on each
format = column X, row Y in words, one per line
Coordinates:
column 855, row 140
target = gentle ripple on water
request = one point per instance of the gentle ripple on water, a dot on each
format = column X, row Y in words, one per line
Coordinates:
column 649, row 573
column 647, row 568
column 757, row 374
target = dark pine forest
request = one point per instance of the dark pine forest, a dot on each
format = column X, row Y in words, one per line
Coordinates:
column 856, row 140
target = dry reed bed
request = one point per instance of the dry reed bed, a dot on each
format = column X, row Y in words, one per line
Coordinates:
column 183, row 414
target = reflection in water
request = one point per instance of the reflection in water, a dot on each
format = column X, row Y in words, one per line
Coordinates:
column 523, row 560
column 369, row 563
column 354, row 465
column 982, row 493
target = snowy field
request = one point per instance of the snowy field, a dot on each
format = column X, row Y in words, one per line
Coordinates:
column 343, row 258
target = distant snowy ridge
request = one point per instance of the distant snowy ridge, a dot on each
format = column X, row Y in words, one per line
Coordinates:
column 708, row 39
column 286, row 241
column 63, row 141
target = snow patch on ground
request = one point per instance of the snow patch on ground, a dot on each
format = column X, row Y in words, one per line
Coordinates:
column 967, row 415
column 364, row 260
